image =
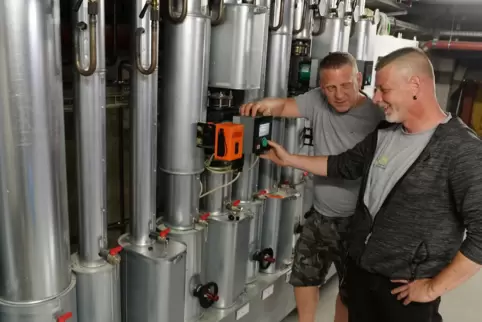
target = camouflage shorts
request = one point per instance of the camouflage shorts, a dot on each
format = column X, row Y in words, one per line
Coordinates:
column 318, row 247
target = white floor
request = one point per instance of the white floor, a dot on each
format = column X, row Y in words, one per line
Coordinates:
column 461, row 305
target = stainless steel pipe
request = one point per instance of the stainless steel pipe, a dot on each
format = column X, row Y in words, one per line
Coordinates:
column 183, row 105
column 34, row 235
column 143, row 103
column 90, row 118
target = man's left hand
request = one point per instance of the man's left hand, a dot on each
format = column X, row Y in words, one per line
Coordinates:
column 420, row 291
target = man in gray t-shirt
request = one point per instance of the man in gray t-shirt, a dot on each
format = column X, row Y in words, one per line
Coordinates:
column 341, row 117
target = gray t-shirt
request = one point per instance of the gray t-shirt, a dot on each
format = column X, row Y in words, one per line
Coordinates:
column 334, row 133
column 396, row 151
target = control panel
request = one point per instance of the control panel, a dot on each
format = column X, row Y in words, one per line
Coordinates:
column 257, row 133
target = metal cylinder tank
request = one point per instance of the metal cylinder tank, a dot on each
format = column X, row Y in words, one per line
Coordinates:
column 153, row 281
column 279, row 48
column 236, row 50
column 216, row 202
column 244, row 188
column 227, row 255
column 187, row 34
column 34, row 219
column 293, row 142
column 278, row 226
column 98, row 282
column 347, row 26
column 361, row 44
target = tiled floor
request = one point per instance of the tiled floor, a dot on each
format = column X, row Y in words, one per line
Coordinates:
column 461, row 305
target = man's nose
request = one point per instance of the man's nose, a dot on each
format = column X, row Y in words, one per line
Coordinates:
column 377, row 97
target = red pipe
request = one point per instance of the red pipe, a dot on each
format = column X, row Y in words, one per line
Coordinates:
column 453, row 45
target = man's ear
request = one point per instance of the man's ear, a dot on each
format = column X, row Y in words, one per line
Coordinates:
column 414, row 83
column 359, row 79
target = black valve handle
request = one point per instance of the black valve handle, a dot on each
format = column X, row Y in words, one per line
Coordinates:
column 207, row 294
column 265, row 258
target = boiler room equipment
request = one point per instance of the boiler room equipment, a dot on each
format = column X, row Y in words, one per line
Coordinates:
column 36, row 282
column 153, row 269
column 96, row 267
column 300, row 62
column 185, row 67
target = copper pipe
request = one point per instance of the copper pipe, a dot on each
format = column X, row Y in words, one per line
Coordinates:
column 453, row 45
column 92, row 46
column 182, row 16
column 281, row 17
column 220, row 18
column 154, row 39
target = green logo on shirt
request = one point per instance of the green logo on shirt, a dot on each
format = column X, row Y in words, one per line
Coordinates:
column 382, row 161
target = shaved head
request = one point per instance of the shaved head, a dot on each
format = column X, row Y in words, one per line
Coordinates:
column 410, row 61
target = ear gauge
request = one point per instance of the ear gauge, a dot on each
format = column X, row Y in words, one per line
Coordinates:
column 414, row 97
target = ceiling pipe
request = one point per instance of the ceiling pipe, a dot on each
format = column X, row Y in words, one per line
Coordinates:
column 461, row 33
column 453, row 45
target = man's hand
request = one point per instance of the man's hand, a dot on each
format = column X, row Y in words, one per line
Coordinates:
column 277, row 154
column 254, row 108
column 420, row 291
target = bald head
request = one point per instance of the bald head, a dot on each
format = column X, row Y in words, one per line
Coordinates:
column 409, row 61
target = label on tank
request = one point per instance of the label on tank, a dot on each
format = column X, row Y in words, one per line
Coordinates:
column 263, row 129
column 242, row 312
column 267, row 292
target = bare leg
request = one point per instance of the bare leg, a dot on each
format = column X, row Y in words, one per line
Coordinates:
column 306, row 302
column 341, row 311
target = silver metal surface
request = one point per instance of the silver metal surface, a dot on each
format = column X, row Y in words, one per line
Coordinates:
column 89, row 113
column 33, row 220
column 278, row 227
column 153, row 281
column 236, row 52
column 247, row 184
column 227, row 255
column 362, row 42
column 98, row 292
column 255, row 230
column 261, row 25
column 64, row 304
column 293, row 143
column 257, row 304
column 270, row 173
column 181, row 199
column 329, row 40
column 216, row 202
column 347, row 25
column 279, row 48
column 144, row 133
column 183, row 105
column 195, row 241
column 305, row 28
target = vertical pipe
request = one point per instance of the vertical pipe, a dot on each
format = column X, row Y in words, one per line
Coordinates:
column 144, row 124
column 90, row 118
column 184, row 98
column 34, row 236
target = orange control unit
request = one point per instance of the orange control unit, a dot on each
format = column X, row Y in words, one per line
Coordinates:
column 228, row 143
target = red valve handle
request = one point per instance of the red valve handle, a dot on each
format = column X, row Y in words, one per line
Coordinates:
column 305, row 174
column 269, row 259
column 236, row 203
column 263, row 192
column 212, row 297
column 205, row 216
column 164, row 233
column 116, row 250
column 64, row 317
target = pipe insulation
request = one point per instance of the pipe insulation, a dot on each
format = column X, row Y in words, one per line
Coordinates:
column 34, row 234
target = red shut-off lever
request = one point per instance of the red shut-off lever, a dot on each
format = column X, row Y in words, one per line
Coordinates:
column 64, row 317
column 262, row 192
column 163, row 234
column 116, row 250
column 212, row 297
column 305, row 174
column 205, row 216
column 236, row 203
column 269, row 259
